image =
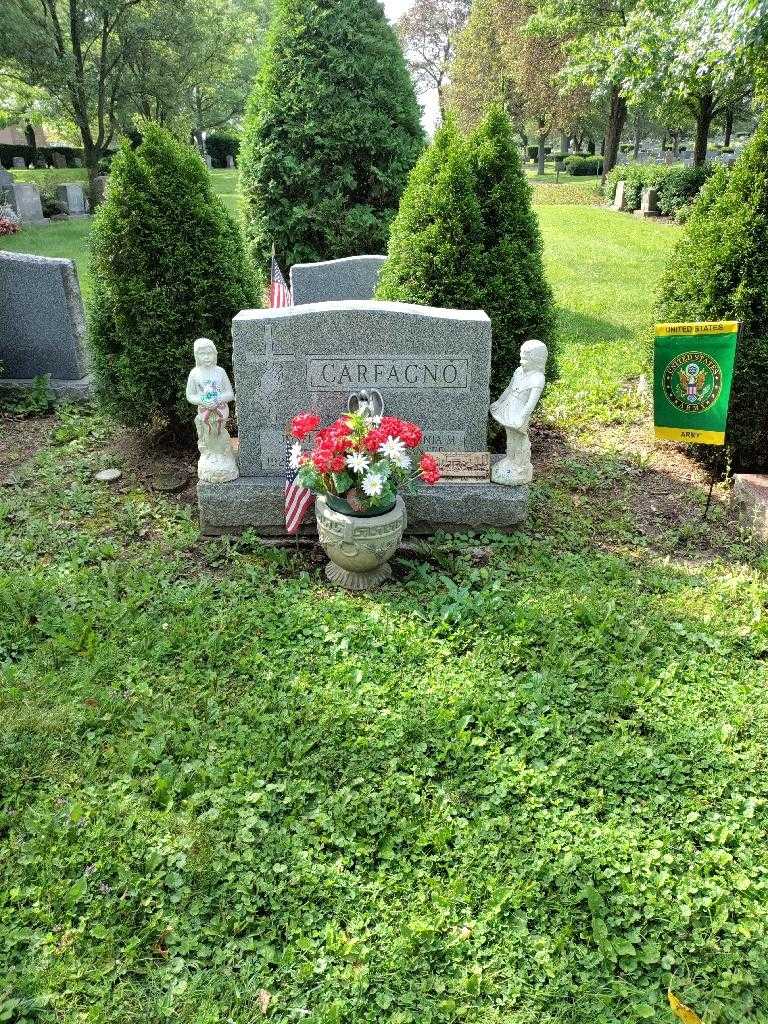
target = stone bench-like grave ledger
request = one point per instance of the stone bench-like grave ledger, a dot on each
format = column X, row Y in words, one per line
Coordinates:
column 432, row 366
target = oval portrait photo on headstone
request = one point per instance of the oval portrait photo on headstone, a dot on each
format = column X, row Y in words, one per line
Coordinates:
column 693, row 381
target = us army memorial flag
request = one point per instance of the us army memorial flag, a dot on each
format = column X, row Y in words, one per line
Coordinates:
column 693, row 373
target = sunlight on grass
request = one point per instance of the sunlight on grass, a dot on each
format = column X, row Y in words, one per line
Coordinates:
column 604, row 268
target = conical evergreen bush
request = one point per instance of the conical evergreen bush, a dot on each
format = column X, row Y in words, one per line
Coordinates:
column 169, row 265
column 719, row 271
column 515, row 291
column 434, row 246
column 331, row 133
column 466, row 237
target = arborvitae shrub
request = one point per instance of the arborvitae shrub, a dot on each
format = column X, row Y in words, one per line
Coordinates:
column 466, row 237
column 719, row 271
column 331, row 133
column 435, row 244
column 513, row 287
column 169, row 266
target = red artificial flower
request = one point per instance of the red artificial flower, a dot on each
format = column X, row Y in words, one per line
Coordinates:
column 303, row 425
column 322, row 457
column 410, row 434
column 338, row 464
column 374, row 439
column 429, row 469
column 390, row 426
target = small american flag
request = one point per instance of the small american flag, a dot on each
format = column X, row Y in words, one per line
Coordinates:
column 278, row 293
column 298, row 499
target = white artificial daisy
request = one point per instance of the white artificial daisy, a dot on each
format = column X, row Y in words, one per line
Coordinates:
column 402, row 461
column 373, row 485
column 296, row 452
column 393, row 449
column 358, row 462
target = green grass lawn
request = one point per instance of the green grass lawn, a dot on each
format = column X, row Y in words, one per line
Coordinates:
column 523, row 784
column 56, row 175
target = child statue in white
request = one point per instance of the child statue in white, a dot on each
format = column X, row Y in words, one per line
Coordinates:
column 210, row 390
column 514, row 410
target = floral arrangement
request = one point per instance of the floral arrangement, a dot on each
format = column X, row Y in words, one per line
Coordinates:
column 361, row 458
column 9, row 222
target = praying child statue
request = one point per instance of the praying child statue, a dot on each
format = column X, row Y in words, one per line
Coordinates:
column 514, row 410
column 210, row 390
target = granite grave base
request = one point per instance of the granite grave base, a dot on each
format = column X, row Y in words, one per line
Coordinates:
column 258, row 503
column 71, row 390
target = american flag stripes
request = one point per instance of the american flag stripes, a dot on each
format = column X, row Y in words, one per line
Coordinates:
column 278, row 293
column 298, row 500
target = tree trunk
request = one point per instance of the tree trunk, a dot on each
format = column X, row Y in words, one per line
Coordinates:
column 590, row 146
column 542, row 142
column 564, row 142
column 663, row 142
column 704, row 114
column 728, row 126
column 638, row 132
column 602, row 146
column 675, row 144
column 616, row 119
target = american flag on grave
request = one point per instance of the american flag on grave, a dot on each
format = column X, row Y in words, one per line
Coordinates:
column 278, row 293
column 298, row 500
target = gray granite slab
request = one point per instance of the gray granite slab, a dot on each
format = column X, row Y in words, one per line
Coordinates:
column 355, row 277
column 432, row 366
column 258, row 503
column 25, row 200
column 72, row 198
column 42, row 328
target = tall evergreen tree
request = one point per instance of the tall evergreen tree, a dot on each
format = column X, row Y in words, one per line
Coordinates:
column 434, row 247
column 169, row 265
column 466, row 237
column 331, row 134
column 718, row 271
column 515, row 291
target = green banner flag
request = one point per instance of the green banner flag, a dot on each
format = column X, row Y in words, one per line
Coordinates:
column 692, row 377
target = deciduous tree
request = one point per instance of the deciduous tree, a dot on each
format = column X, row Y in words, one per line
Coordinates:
column 428, row 32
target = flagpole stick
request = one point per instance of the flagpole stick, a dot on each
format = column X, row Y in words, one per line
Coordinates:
column 709, row 496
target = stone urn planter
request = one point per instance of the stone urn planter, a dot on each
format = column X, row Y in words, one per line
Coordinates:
column 359, row 546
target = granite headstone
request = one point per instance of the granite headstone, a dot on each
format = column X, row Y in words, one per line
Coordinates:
column 6, row 186
column 19, row 163
column 25, row 200
column 72, row 199
column 59, row 161
column 619, row 199
column 42, row 327
column 355, row 277
column 99, row 189
column 431, row 366
column 649, row 203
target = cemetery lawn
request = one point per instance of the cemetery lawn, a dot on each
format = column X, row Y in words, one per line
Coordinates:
column 523, row 784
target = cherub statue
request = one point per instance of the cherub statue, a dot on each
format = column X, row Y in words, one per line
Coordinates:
column 210, row 390
column 514, row 410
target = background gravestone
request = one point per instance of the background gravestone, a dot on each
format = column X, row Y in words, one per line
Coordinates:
column 99, row 188
column 355, row 277
column 431, row 365
column 72, row 199
column 25, row 200
column 6, row 186
column 19, row 163
column 42, row 327
column 59, row 161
